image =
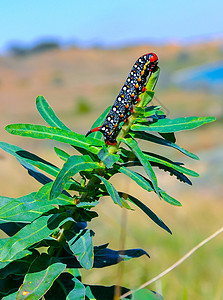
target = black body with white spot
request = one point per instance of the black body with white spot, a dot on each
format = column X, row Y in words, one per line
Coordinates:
column 127, row 97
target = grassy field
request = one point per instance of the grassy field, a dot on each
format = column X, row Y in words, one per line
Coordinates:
column 69, row 78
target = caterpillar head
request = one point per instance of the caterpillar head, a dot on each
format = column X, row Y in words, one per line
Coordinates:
column 151, row 59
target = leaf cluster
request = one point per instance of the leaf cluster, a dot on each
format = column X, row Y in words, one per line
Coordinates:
column 48, row 238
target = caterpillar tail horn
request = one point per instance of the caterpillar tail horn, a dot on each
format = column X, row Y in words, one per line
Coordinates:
column 93, row 130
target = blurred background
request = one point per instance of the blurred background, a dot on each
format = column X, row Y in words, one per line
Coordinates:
column 78, row 54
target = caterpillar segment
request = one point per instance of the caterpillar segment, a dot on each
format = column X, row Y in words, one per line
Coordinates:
column 127, row 97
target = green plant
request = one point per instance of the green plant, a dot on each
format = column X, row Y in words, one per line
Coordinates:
column 48, row 239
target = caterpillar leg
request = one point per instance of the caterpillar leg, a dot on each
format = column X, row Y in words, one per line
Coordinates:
column 107, row 142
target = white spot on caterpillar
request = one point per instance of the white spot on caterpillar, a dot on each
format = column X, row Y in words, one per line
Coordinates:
column 135, row 65
column 114, row 108
column 128, row 79
column 108, row 118
column 140, row 60
column 124, row 88
column 103, row 128
column 119, row 98
column 132, row 73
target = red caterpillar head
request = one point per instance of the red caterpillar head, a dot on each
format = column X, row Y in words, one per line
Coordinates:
column 153, row 57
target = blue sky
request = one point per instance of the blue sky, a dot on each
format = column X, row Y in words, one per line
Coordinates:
column 110, row 23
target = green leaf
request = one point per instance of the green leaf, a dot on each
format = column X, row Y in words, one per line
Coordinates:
column 18, row 256
column 24, row 209
column 136, row 177
column 111, row 190
column 167, row 162
column 31, row 234
column 10, row 296
column 132, row 144
column 71, row 167
column 147, row 97
column 153, row 80
column 108, row 158
column 169, row 199
column 155, row 139
column 48, row 114
column 149, row 212
column 56, row 134
column 151, row 110
column 146, row 184
column 28, row 157
column 20, row 266
column 87, row 205
column 157, row 160
column 28, row 208
column 78, row 292
column 43, row 272
column 81, row 245
column 62, row 154
column 98, row 122
column 43, row 196
column 168, row 125
column 139, row 110
column 66, row 287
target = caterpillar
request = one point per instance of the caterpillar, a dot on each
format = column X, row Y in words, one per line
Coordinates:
column 127, row 97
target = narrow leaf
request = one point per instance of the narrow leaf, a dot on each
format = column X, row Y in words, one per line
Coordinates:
column 28, row 157
column 56, row 134
column 155, row 139
column 39, row 279
column 169, row 199
column 66, row 286
column 48, row 114
column 33, row 172
column 132, row 144
column 72, row 166
column 168, row 125
column 24, row 209
column 62, row 154
column 104, row 256
column 167, row 162
column 20, row 266
column 31, row 234
column 136, row 177
column 111, row 190
column 153, row 80
column 149, row 213
column 147, row 97
column 81, row 245
column 108, row 158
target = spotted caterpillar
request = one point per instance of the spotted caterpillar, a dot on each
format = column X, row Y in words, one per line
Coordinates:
column 127, row 97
